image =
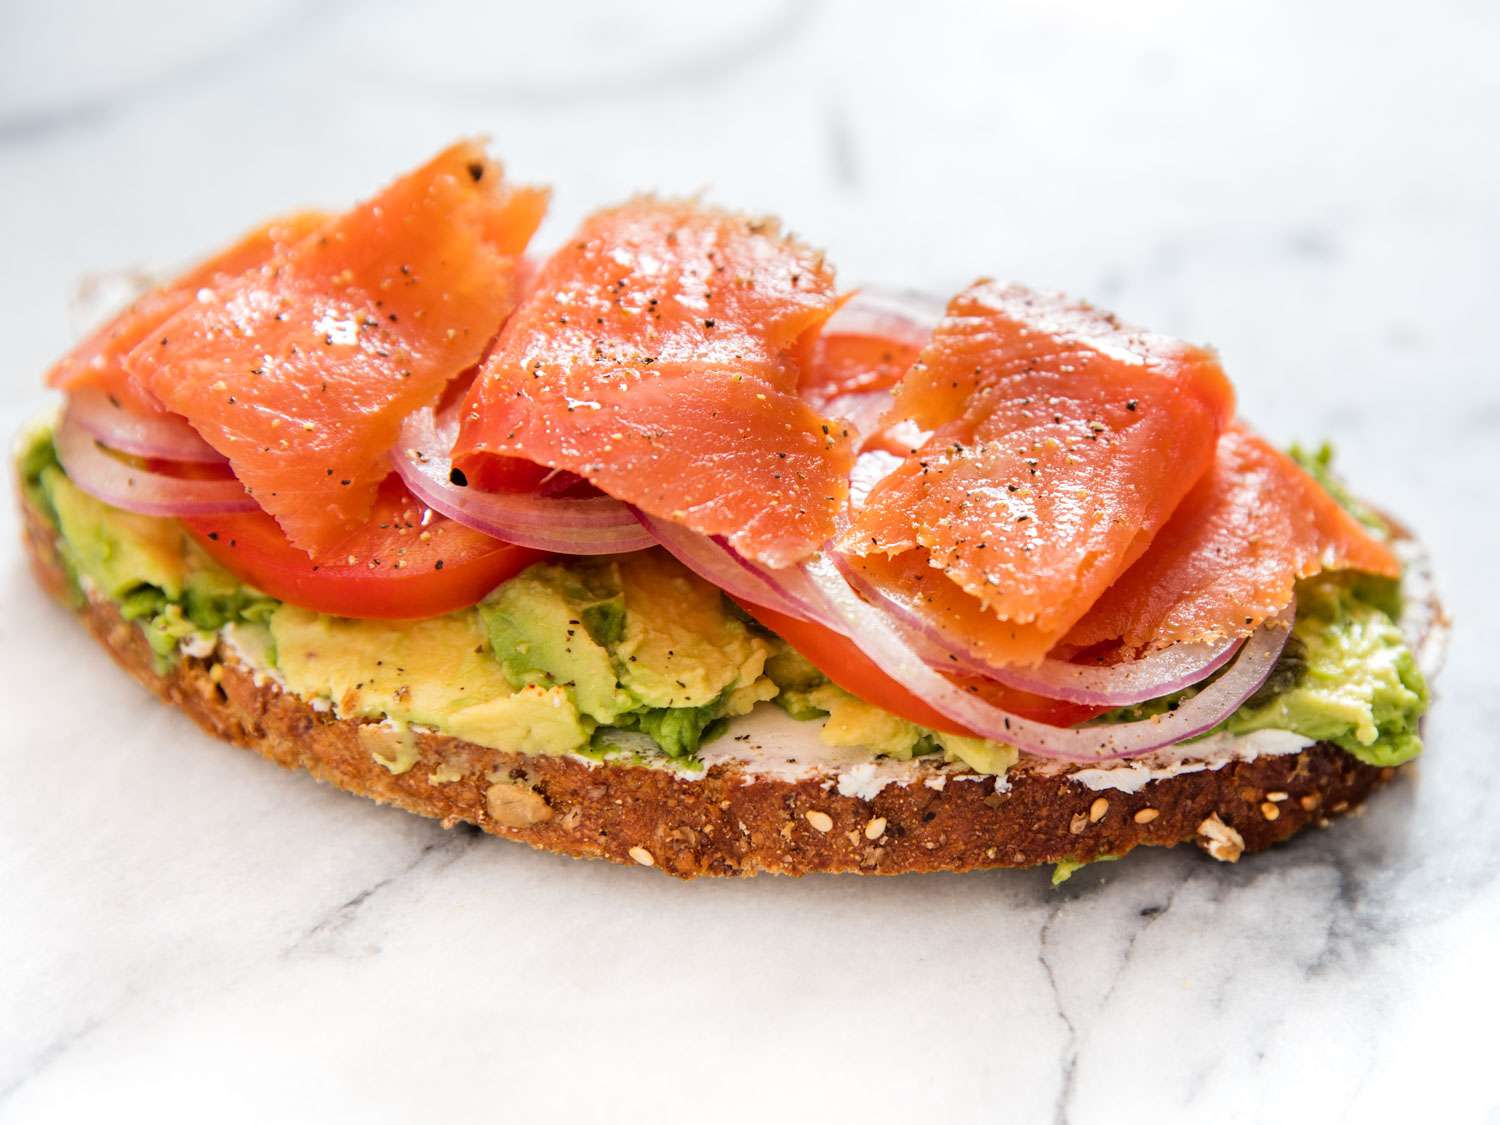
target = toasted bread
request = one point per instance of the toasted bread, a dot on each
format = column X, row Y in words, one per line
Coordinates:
column 733, row 819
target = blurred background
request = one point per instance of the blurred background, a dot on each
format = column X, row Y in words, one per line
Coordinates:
column 1311, row 187
column 1308, row 185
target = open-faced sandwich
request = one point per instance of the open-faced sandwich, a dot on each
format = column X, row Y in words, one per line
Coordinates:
column 660, row 549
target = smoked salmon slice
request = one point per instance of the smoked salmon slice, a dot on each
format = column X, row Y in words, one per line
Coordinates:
column 301, row 371
column 1230, row 555
column 1061, row 442
column 97, row 361
column 658, row 355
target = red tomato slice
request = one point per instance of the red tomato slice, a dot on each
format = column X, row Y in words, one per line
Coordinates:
column 838, row 658
column 407, row 562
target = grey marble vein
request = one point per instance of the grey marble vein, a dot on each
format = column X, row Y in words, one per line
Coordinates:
column 1069, row 1060
column 45, row 1056
column 324, row 935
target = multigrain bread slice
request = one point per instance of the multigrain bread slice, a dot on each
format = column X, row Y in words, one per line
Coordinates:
column 732, row 820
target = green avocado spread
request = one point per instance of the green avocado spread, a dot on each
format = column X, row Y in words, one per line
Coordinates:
column 154, row 573
column 633, row 657
column 1345, row 676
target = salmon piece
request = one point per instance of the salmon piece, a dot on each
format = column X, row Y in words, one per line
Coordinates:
column 301, row 371
column 97, row 362
column 658, row 356
column 925, row 593
column 1061, row 442
column 1231, row 553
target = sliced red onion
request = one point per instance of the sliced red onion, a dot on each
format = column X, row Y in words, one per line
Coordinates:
column 164, row 436
column 1116, row 685
column 796, row 587
column 1119, row 685
column 717, row 563
column 135, row 489
column 884, row 643
column 788, row 591
column 597, row 525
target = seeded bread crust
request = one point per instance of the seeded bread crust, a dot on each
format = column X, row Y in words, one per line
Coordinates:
column 729, row 822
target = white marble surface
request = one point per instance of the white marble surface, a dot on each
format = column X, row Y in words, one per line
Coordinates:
column 188, row 933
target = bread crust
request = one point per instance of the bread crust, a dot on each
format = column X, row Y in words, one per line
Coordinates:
column 731, row 822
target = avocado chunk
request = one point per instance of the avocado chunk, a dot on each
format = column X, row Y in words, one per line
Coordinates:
column 1065, row 869
column 680, row 647
column 639, row 643
column 552, row 624
column 436, row 672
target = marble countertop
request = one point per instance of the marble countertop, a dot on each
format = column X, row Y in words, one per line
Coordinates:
column 188, row 930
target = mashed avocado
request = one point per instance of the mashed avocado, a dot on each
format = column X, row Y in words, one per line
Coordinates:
column 158, row 576
column 807, row 694
column 609, row 656
column 1346, row 676
column 637, row 641
column 437, row 672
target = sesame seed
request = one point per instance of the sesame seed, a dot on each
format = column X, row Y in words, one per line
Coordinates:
column 1310, row 802
column 1269, row 810
column 1098, row 809
column 820, row 820
column 875, row 829
column 1146, row 816
column 1278, row 796
column 642, row 856
column 1079, row 822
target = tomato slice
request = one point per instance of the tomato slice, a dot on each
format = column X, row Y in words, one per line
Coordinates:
column 407, row 562
column 841, row 660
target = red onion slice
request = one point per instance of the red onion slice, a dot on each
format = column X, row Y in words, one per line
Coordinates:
column 1119, row 685
column 786, row 591
column 597, row 525
column 716, row 563
column 883, row 642
column 164, row 436
column 1115, row 685
column 796, row 587
column 140, row 490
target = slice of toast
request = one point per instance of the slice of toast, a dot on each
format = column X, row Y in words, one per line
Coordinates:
column 737, row 819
